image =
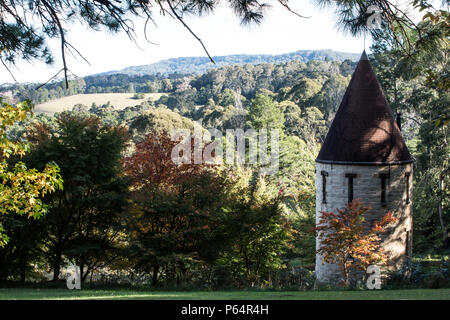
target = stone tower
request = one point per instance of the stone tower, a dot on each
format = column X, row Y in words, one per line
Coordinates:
column 365, row 157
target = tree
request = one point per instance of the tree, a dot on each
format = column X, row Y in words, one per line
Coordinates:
column 22, row 188
column 265, row 114
column 23, row 247
column 131, row 88
column 302, row 92
column 292, row 117
column 344, row 240
column 331, row 94
column 402, row 30
column 172, row 220
column 226, row 97
column 313, row 126
column 295, row 179
column 153, row 86
column 157, row 120
column 83, row 220
column 256, row 231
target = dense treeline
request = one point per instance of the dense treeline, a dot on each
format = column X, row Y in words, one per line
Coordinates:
column 318, row 84
column 114, row 83
column 326, row 79
column 200, row 65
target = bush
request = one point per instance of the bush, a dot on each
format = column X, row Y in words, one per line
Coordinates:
column 138, row 96
column 421, row 275
column 296, row 278
column 436, row 280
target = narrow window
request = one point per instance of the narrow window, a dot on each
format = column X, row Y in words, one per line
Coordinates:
column 324, row 186
column 383, row 177
column 350, row 177
column 407, row 174
column 407, row 244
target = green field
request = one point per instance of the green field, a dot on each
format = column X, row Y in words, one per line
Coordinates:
column 64, row 294
column 118, row 100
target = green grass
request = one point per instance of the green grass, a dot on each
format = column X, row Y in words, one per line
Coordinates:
column 52, row 294
column 118, row 100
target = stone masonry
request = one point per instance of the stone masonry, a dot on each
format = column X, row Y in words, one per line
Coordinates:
column 397, row 240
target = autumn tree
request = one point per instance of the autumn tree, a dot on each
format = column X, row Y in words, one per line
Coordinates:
column 22, row 188
column 172, row 219
column 348, row 241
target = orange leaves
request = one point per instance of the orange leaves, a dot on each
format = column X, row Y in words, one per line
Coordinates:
column 152, row 165
column 344, row 239
column 387, row 219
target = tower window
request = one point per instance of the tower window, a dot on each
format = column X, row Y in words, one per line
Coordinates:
column 407, row 174
column 407, row 244
column 324, row 186
column 383, row 177
column 350, row 177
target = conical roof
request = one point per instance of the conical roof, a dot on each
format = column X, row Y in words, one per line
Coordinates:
column 364, row 130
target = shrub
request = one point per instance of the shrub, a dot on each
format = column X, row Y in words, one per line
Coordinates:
column 138, row 96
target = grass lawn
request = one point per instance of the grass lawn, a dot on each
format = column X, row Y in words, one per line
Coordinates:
column 420, row 294
column 118, row 100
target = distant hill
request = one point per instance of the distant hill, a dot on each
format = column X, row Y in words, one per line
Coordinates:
column 162, row 76
column 199, row 65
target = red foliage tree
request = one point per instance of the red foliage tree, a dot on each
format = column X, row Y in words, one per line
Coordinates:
column 152, row 162
column 347, row 240
column 171, row 222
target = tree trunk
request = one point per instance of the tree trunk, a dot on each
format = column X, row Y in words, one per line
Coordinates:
column 57, row 264
column 22, row 273
column 155, row 276
column 345, row 274
column 82, row 275
column 441, row 200
column 23, row 265
column 3, row 266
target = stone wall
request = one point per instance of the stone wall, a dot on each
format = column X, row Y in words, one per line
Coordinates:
column 397, row 240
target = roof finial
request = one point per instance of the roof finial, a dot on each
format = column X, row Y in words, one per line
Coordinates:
column 364, row 41
column 364, row 56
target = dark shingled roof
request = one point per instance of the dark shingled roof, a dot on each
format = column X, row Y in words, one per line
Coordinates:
column 364, row 130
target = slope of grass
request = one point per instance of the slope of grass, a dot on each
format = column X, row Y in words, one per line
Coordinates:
column 31, row 294
column 118, row 100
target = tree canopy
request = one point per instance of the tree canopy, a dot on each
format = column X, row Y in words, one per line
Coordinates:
column 22, row 188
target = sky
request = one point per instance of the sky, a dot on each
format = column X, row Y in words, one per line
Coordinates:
column 280, row 32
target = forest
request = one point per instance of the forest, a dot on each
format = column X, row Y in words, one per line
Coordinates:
column 125, row 213
column 96, row 186
column 163, row 76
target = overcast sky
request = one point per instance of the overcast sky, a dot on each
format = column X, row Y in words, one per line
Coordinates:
column 280, row 32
